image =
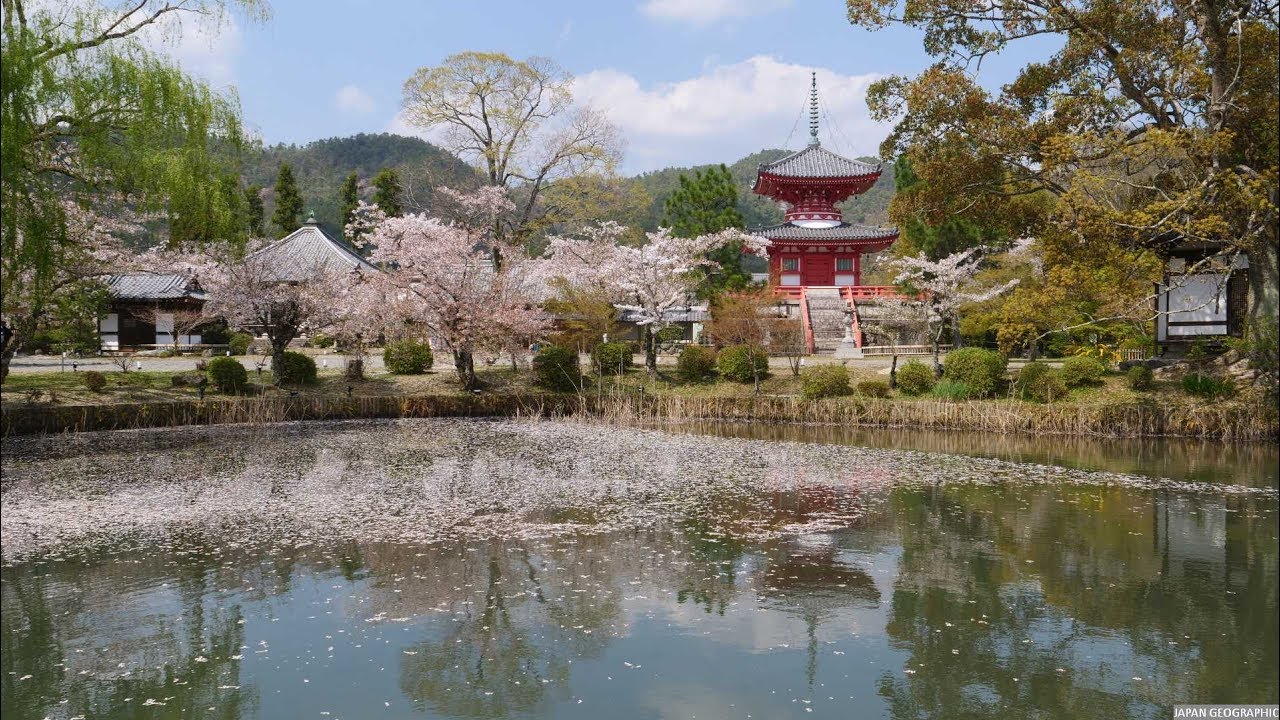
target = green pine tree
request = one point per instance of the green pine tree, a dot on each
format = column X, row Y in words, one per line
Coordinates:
column 708, row 203
column 349, row 198
column 255, row 214
column 288, row 212
column 386, row 192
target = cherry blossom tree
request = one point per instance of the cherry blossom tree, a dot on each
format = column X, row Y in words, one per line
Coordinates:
column 944, row 286
column 648, row 280
column 438, row 276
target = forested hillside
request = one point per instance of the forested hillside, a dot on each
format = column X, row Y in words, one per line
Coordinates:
column 321, row 166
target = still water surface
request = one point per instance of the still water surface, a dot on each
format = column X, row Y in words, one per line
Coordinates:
column 475, row 569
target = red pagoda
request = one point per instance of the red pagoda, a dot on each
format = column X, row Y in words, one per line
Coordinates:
column 814, row 246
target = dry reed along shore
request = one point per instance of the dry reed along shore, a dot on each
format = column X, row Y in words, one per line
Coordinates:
column 1228, row 422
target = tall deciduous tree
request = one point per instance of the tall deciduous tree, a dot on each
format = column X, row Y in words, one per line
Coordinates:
column 255, row 212
column 516, row 121
column 288, row 213
column 91, row 115
column 704, row 204
column 1153, row 123
column 387, row 191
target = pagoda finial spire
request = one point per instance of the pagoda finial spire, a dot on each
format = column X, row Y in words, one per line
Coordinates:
column 813, row 108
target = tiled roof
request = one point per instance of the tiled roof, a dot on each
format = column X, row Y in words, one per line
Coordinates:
column 300, row 254
column 149, row 286
column 671, row 315
column 816, row 161
column 844, row 231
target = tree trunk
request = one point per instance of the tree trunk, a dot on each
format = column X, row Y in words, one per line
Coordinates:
column 650, row 340
column 1264, row 287
column 464, row 364
column 893, row 374
column 277, row 359
column 956, row 342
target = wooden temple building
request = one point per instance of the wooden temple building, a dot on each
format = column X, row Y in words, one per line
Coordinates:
column 815, row 257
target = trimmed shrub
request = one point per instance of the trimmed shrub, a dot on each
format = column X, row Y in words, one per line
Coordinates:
column 825, row 381
column 1141, row 378
column 239, row 343
column 951, row 390
column 408, row 357
column 874, row 387
column 227, row 374
column 915, row 378
column 981, row 371
column 297, row 369
column 95, row 380
column 1082, row 370
column 321, row 340
column 1207, row 386
column 741, row 363
column 556, row 368
column 695, row 363
column 1039, row 382
column 611, row 358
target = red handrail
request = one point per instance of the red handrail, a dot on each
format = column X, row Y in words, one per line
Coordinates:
column 809, row 345
column 860, row 292
column 847, row 293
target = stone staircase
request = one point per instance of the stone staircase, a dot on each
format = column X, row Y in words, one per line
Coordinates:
column 829, row 319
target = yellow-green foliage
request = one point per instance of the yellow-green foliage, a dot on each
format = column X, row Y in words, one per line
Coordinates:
column 825, row 381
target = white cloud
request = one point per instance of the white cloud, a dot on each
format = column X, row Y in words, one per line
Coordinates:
column 731, row 110
column 207, row 50
column 352, row 99
column 701, row 12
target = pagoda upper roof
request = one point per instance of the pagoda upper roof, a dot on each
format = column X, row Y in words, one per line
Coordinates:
column 846, row 232
column 816, row 161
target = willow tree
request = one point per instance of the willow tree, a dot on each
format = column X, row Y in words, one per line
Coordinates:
column 98, row 126
column 1152, row 123
column 517, row 122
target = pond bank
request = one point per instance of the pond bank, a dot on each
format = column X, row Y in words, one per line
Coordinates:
column 1226, row 422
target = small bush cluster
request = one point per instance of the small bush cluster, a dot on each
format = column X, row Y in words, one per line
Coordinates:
column 1141, row 378
column 321, row 340
column 1039, row 382
column 228, row 375
column 408, row 357
column 556, row 368
column 296, row 369
column 825, row 381
column 95, row 380
column 611, row 358
column 239, row 343
column 981, row 371
column 873, row 387
column 1207, row 386
column 695, row 363
column 915, row 378
column 951, row 390
column 742, row 363
column 1082, row 370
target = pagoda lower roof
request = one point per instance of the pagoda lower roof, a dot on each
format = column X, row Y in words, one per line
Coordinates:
column 844, row 232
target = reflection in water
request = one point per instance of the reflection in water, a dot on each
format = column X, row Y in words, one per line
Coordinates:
column 947, row 598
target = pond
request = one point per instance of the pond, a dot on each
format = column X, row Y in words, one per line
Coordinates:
column 485, row 569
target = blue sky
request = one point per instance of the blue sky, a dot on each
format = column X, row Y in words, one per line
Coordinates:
column 687, row 81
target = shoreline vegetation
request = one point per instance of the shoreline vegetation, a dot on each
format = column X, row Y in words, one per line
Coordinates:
column 1140, row 417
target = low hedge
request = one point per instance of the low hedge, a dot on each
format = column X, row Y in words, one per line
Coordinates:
column 296, row 369
column 1039, row 382
column 407, row 357
column 95, row 380
column 228, row 375
column 239, row 343
column 874, row 387
column 695, row 363
column 611, row 358
column 915, row 378
column 825, row 381
column 981, row 371
column 742, row 363
column 1082, row 370
column 556, row 368
column 1141, row 378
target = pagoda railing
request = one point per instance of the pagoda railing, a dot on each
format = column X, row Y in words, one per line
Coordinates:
column 846, row 292
column 810, row 346
column 856, row 292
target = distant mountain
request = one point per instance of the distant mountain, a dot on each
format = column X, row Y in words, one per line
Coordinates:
column 323, row 165
column 871, row 208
